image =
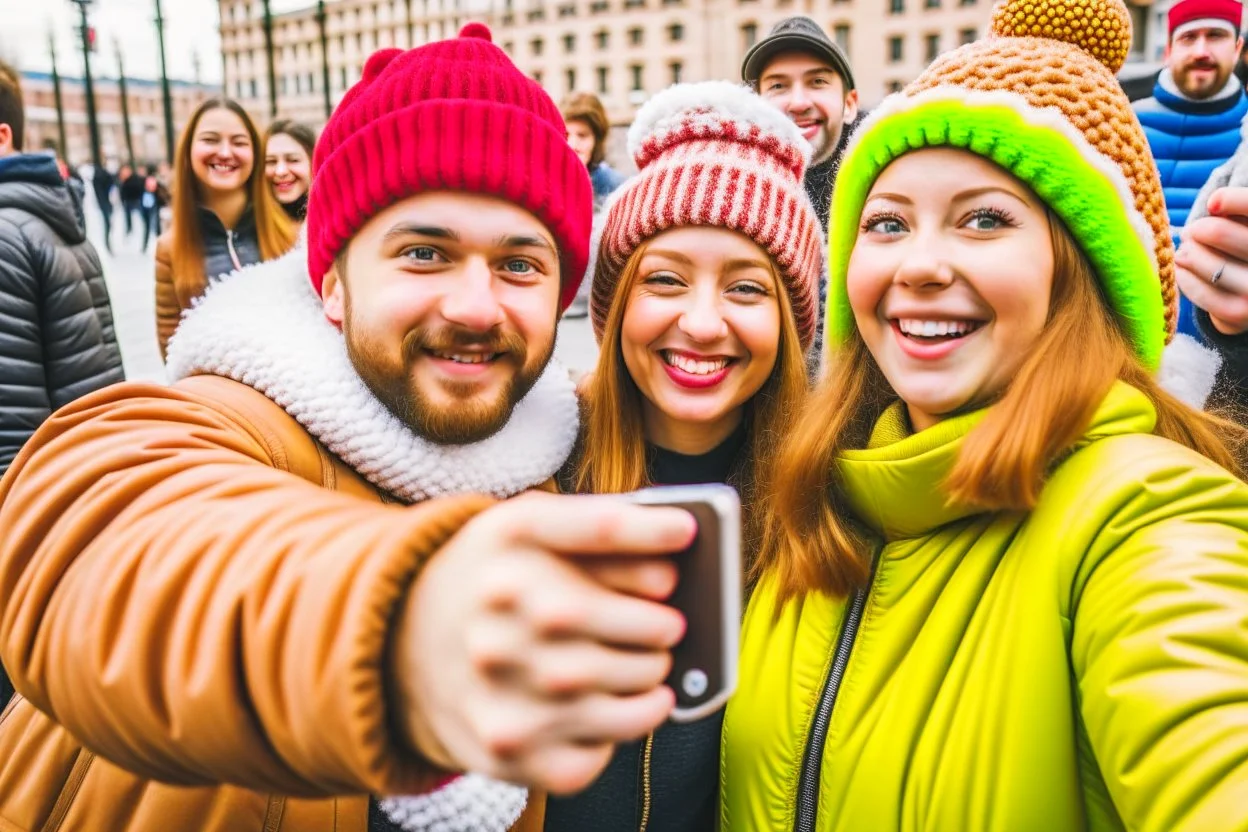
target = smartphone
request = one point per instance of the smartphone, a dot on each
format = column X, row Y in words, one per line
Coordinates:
column 704, row 663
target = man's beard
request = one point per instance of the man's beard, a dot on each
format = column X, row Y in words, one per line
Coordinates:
column 824, row 145
column 1203, row 92
column 468, row 417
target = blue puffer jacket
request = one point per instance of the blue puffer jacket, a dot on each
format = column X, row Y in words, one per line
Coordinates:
column 1189, row 139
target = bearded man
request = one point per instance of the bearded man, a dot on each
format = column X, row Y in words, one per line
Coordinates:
column 287, row 593
column 1192, row 121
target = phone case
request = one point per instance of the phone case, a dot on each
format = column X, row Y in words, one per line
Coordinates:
column 704, row 663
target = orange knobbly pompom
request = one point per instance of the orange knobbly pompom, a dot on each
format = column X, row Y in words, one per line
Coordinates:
column 1102, row 28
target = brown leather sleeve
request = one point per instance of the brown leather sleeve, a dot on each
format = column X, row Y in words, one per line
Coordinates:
column 168, row 310
column 198, row 616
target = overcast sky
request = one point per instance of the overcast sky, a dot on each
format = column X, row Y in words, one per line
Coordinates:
column 190, row 28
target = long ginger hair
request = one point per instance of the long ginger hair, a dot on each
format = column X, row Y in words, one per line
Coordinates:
column 274, row 229
column 614, row 460
column 809, row 538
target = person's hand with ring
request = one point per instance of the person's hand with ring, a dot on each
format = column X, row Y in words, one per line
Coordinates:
column 1212, row 261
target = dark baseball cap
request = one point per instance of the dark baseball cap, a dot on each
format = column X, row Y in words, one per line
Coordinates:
column 796, row 34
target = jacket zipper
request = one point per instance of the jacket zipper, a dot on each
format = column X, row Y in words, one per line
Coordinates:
column 646, row 756
column 229, row 243
column 812, row 763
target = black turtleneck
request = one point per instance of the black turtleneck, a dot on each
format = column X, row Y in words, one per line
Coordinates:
column 297, row 210
column 672, row 468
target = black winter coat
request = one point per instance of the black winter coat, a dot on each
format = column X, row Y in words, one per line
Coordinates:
column 56, row 324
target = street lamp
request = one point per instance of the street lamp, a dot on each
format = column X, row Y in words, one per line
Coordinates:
column 164, row 85
column 92, row 124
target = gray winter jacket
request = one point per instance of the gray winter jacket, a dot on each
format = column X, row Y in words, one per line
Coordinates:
column 56, row 324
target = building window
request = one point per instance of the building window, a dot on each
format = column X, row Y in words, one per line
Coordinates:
column 896, row 6
column 238, row 90
column 931, row 4
column 673, row 2
column 568, row 10
column 536, row 46
column 635, row 69
column 343, row 77
column 359, row 41
column 749, row 35
column 933, row 47
column 840, row 34
column 535, row 15
column 896, row 49
column 311, row 82
column 602, row 39
column 281, row 87
column 676, row 32
column 570, row 76
column 966, row 36
column 569, row 44
column 894, row 86
column 599, row 7
column 678, row 70
column 635, row 36
column 602, row 80
column 966, row 2
column 255, row 92
column 634, row 4
column 537, row 76
column 509, row 47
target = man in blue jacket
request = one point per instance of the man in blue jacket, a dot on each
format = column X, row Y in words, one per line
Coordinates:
column 1193, row 119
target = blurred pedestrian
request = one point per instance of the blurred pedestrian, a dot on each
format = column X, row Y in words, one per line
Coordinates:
column 288, row 149
column 56, row 325
column 130, row 188
column 225, row 216
column 154, row 198
column 588, row 129
column 103, row 183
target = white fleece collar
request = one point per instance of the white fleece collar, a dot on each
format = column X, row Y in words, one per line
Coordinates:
column 264, row 326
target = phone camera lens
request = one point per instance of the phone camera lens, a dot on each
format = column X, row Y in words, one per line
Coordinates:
column 694, row 682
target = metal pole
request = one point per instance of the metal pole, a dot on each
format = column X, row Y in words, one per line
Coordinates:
column 60, row 105
column 125, row 104
column 268, row 53
column 92, row 125
column 322, row 23
column 170, row 138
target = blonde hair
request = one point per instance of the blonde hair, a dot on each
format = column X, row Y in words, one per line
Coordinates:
column 274, row 229
column 809, row 538
column 615, row 444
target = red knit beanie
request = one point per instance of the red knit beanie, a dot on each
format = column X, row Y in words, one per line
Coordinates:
column 454, row 115
column 714, row 153
column 1230, row 12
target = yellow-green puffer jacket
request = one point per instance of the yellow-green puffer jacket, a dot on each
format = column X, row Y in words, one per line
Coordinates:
column 1081, row 667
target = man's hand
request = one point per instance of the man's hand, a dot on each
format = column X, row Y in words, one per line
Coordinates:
column 1218, row 242
column 534, row 640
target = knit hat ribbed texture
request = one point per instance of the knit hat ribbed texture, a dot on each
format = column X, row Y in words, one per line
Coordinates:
column 455, row 115
column 1230, row 12
column 1038, row 97
column 715, row 154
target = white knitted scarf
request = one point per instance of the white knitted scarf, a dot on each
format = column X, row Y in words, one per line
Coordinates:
column 264, row 326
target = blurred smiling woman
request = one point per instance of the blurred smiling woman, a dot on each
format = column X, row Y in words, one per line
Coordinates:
column 225, row 216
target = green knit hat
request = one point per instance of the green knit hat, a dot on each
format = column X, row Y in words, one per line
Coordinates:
column 1039, row 98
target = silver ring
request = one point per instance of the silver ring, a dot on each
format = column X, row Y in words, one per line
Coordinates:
column 1213, row 281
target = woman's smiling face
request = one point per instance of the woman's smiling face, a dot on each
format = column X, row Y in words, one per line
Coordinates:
column 950, row 279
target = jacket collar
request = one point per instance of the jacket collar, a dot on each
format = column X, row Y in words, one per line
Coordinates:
column 893, row 486
column 264, row 326
column 1167, row 93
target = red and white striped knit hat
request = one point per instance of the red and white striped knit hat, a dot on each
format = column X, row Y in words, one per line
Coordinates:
column 716, row 154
